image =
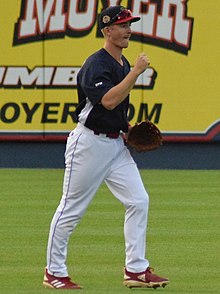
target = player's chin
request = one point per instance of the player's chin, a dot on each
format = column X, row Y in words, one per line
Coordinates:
column 125, row 43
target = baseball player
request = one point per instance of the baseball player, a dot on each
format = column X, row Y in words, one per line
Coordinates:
column 96, row 153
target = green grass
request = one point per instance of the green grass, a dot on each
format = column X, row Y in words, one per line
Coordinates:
column 183, row 232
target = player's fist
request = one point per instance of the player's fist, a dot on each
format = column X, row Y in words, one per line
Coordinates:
column 142, row 63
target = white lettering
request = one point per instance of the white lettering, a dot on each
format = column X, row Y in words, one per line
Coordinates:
column 163, row 23
column 65, row 76
column 81, row 20
column 98, row 84
column 173, row 27
column 2, row 71
column 147, row 23
column 28, row 25
column 43, row 13
column 55, row 76
column 114, row 2
column 21, row 75
column 38, row 17
column 146, row 78
column 57, row 21
column 170, row 25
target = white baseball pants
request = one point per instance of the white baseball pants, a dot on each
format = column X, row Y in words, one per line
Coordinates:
column 91, row 159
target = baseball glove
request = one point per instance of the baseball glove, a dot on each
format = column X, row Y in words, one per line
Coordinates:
column 144, row 136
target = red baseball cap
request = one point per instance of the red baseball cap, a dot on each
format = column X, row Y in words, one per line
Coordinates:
column 116, row 14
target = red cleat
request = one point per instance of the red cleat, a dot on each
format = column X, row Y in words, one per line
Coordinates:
column 53, row 282
column 146, row 279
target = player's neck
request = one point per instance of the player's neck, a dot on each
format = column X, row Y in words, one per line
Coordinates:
column 115, row 52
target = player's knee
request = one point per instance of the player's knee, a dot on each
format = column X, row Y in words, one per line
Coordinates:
column 143, row 204
column 139, row 205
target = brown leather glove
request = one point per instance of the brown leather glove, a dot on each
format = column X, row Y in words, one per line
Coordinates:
column 144, row 136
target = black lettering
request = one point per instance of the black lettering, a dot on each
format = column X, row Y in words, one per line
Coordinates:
column 144, row 112
column 3, row 114
column 48, row 111
column 30, row 111
column 131, row 112
column 68, row 112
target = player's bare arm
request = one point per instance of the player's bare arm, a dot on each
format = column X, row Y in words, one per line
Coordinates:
column 118, row 93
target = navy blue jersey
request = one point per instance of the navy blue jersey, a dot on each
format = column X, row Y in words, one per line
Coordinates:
column 97, row 76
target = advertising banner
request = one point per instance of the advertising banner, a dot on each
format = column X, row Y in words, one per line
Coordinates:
column 45, row 42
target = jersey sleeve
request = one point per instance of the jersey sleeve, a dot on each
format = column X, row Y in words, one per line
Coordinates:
column 96, row 81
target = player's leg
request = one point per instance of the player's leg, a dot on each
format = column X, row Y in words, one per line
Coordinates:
column 126, row 184
column 79, row 187
column 85, row 171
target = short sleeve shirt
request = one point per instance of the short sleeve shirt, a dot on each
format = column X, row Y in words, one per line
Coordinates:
column 97, row 76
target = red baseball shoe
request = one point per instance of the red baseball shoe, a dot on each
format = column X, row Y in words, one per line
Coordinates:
column 53, row 282
column 146, row 279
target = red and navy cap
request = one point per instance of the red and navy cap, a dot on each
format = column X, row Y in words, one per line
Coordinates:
column 116, row 14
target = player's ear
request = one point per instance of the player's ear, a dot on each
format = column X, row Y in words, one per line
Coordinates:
column 106, row 31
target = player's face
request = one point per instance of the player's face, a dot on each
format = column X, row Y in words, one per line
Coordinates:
column 120, row 34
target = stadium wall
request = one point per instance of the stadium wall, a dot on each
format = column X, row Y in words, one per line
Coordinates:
column 46, row 42
column 169, row 156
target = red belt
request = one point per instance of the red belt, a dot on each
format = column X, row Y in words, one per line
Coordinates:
column 109, row 135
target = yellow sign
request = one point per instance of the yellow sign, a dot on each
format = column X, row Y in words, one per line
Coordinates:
column 45, row 42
